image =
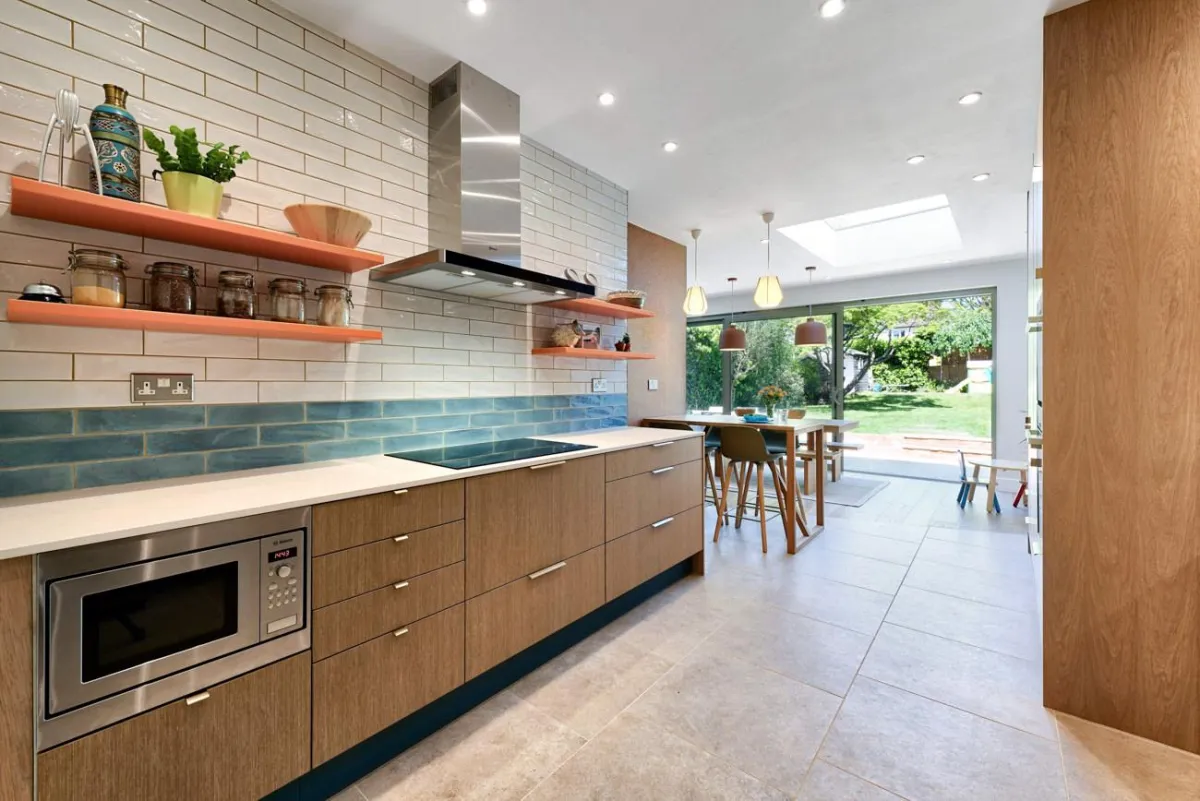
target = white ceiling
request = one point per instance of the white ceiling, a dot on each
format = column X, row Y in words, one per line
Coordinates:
column 773, row 107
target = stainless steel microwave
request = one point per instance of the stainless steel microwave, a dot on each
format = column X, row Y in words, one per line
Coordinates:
column 129, row 625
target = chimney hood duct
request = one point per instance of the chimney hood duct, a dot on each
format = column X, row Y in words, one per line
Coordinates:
column 475, row 199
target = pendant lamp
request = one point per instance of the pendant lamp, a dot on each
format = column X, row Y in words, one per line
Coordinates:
column 695, row 301
column 732, row 338
column 810, row 332
column 768, row 293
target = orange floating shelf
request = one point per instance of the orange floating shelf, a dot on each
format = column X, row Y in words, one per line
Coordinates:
column 597, row 306
column 74, row 206
column 40, row 313
column 588, row 353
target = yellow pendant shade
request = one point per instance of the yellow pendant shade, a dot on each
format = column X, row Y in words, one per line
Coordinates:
column 768, row 293
column 695, row 301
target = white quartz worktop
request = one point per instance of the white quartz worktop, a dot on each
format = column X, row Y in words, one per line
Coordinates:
column 42, row 523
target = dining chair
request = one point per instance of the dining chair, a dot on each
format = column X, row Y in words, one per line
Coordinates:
column 711, row 446
column 744, row 447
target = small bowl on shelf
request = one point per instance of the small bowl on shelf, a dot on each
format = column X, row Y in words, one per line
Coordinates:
column 633, row 298
column 333, row 225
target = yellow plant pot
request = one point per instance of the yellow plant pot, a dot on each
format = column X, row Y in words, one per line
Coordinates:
column 193, row 194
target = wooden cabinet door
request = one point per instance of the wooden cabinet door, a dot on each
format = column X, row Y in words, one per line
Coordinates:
column 642, row 500
column 249, row 737
column 357, row 521
column 519, row 521
column 639, row 556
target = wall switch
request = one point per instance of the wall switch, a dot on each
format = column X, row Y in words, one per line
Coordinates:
column 161, row 387
column 599, row 385
column 652, row 384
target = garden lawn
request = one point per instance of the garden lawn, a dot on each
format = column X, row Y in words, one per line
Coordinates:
column 913, row 412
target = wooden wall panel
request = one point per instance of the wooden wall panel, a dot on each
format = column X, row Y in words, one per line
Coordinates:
column 1122, row 366
column 16, row 679
column 658, row 266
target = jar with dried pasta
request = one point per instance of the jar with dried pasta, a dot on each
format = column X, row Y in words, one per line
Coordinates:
column 287, row 300
column 334, row 305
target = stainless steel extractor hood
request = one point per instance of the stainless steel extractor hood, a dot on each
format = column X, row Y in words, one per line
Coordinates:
column 475, row 199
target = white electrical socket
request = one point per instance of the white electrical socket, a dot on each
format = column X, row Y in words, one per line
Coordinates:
column 652, row 384
column 599, row 385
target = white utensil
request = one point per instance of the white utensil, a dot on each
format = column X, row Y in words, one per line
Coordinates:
column 66, row 119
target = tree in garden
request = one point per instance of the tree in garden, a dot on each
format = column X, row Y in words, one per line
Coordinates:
column 703, row 366
column 769, row 358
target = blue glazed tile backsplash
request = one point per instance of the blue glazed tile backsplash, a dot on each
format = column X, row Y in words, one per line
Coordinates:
column 54, row 450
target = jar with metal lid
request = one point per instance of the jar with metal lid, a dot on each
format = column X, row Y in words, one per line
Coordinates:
column 334, row 305
column 97, row 278
column 172, row 287
column 287, row 300
column 235, row 294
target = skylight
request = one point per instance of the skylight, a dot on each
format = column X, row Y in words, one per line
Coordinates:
column 914, row 228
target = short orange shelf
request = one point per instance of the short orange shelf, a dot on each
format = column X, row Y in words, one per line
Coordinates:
column 74, row 206
column 597, row 306
column 588, row 353
column 32, row 311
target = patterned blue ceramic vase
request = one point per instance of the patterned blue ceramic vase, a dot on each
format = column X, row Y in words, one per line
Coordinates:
column 118, row 143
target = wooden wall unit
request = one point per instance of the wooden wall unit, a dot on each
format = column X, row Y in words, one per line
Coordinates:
column 16, row 679
column 1122, row 377
column 658, row 266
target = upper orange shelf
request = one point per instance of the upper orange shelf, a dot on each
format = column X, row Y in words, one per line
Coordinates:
column 33, row 311
column 597, row 306
column 74, row 206
column 588, row 353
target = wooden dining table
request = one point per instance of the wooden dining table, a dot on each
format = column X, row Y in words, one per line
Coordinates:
column 793, row 429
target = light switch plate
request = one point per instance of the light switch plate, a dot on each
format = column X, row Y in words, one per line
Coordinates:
column 652, row 384
column 161, row 387
column 599, row 385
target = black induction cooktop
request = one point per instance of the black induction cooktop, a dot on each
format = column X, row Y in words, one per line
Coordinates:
column 458, row 457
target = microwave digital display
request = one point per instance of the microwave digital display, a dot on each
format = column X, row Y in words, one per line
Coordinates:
column 285, row 553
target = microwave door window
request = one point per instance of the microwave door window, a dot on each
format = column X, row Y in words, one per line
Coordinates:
column 134, row 624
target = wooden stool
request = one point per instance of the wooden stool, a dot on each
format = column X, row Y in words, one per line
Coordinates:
column 995, row 467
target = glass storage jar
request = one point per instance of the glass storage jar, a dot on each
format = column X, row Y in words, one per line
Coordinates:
column 97, row 278
column 334, row 305
column 235, row 294
column 287, row 300
column 172, row 287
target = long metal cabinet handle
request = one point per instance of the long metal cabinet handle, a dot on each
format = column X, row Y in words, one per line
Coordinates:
column 399, row 492
column 401, row 585
column 400, row 633
column 546, row 570
column 662, row 444
column 661, row 523
column 401, row 538
column 544, row 466
column 197, row 698
column 661, row 470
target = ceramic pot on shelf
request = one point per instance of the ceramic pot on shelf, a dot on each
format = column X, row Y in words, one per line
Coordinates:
column 118, row 145
column 193, row 194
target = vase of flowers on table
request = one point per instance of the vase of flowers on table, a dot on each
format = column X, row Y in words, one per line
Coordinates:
column 771, row 396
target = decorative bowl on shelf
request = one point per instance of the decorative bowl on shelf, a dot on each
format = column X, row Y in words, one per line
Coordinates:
column 333, row 225
column 634, row 298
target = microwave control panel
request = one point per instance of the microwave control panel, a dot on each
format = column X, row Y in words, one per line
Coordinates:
column 282, row 583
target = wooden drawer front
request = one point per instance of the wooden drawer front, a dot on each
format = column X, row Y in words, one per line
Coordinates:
column 521, row 520
column 508, row 620
column 645, row 553
column 344, row 574
column 247, row 739
column 356, row 521
column 346, row 624
column 366, row 689
column 638, row 501
column 623, row 464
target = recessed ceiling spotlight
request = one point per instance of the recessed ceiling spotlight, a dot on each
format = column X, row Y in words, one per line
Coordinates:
column 915, row 160
column 560, row 292
column 468, row 273
column 831, row 8
column 607, row 99
column 670, row 147
column 477, row 7
column 983, row 176
column 764, row 241
column 970, row 99
column 518, row 283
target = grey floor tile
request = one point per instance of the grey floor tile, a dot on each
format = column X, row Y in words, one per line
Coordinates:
column 1002, row 688
column 1103, row 764
column 987, row 560
column 1010, row 592
column 635, row 759
column 1003, row 630
column 833, row 602
column 871, row 574
column 921, row 749
column 765, row 724
column 590, row 684
column 669, row 625
column 878, row 527
column 1000, row 540
column 869, row 545
column 499, row 750
column 827, row 783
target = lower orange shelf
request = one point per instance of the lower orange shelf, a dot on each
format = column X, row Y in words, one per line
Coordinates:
column 32, row 311
column 587, row 353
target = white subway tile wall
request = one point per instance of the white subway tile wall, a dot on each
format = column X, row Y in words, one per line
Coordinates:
column 325, row 122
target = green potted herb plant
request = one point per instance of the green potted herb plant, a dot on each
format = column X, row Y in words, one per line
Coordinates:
column 193, row 182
